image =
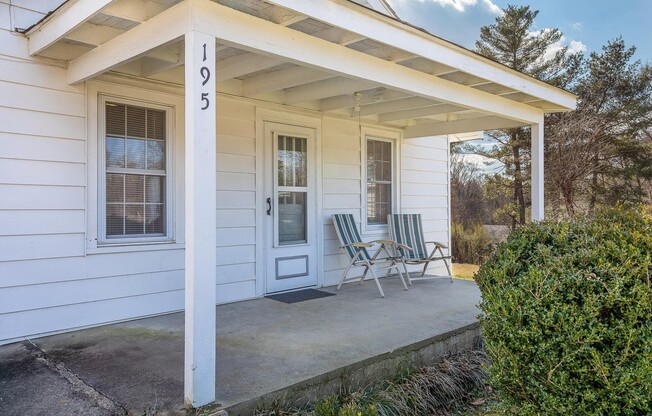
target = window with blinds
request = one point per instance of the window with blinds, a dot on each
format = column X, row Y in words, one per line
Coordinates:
column 135, row 171
column 379, row 181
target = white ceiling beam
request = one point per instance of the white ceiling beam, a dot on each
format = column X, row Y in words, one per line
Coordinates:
column 160, row 30
column 339, row 36
column 372, row 96
column 93, row 35
column 391, row 32
column 460, row 126
column 64, row 20
column 420, row 112
column 151, row 66
column 326, row 88
column 396, row 105
column 136, row 11
column 282, row 79
column 247, row 63
column 248, row 32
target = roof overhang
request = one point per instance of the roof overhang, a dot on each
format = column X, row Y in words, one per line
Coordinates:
column 332, row 56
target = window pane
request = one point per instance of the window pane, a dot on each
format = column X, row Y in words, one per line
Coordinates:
column 115, row 217
column 292, row 161
column 134, row 219
column 136, row 121
column 135, row 154
column 154, row 219
column 379, row 181
column 156, row 124
column 115, row 187
column 292, row 218
column 134, row 188
column 115, row 119
column 154, row 189
column 115, row 152
column 155, row 155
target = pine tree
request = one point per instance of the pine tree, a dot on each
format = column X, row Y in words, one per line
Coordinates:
column 512, row 41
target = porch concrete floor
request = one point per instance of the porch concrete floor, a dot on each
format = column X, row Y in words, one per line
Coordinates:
column 262, row 346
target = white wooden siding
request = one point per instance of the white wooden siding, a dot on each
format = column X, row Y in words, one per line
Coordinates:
column 424, row 187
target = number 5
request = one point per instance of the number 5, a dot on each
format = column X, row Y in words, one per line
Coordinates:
column 204, row 98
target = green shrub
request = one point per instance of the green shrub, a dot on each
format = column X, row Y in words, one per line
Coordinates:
column 471, row 244
column 567, row 316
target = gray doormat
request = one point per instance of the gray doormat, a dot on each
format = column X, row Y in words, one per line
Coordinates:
column 300, row 295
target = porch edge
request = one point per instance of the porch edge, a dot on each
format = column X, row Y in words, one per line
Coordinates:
column 365, row 372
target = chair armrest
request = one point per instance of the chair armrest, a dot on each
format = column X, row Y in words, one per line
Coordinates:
column 358, row 245
column 437, row 243
column 393, row 243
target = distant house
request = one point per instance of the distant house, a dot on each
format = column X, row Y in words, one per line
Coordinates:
column 162, row 155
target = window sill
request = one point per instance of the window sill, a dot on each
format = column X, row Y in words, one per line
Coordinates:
column 135, row 247
column 376, row 230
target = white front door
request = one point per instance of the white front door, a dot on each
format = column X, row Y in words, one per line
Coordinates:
column 290, row 226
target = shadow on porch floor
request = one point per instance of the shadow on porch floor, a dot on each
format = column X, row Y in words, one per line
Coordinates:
column 263, row 346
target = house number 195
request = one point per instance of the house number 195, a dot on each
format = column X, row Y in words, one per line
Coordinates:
column 206, row 75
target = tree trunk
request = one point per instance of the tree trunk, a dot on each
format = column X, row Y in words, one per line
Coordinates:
column 594, row 183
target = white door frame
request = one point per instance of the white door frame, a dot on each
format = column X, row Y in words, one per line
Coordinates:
column 298, row 119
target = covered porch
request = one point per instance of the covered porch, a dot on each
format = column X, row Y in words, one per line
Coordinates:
column 331, row 58
column 296, row 353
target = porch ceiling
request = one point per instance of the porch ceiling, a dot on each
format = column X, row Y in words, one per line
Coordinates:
column 243, row 71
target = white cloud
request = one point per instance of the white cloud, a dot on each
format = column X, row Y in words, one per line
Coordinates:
column 576, row 26
column 462, row 5
column 574, row 46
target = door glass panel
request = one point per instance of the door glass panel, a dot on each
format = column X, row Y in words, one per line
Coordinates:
column 292, row 161
column 292, row 218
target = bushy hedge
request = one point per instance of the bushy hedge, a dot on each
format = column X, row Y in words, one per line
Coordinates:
column 567, row 316
column 471, row 244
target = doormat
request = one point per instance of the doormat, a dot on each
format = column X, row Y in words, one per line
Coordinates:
column 300, row 295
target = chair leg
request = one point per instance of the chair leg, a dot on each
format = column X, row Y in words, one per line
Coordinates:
column 380, row 289
column 448, row 267
column 425, row 266
column 364, row 274
column 346, row 271
column 407, row 273
column 400, row 275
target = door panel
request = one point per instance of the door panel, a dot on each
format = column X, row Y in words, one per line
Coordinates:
column 290, row 229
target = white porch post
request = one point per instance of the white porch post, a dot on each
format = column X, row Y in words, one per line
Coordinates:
column 537, row 171
column 199, row 364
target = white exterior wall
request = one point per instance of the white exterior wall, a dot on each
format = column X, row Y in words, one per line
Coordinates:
column 52, row 278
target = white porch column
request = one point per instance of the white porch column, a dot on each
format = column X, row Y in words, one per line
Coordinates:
column 537, row 171
column 199, row 364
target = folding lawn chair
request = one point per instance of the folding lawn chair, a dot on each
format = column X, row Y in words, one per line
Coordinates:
column 407, row 231
column 347, row 232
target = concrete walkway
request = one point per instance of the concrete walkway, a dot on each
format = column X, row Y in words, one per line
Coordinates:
column 263, row 346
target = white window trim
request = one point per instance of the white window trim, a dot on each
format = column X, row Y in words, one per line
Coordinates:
column 393, row 137
column 98, row 94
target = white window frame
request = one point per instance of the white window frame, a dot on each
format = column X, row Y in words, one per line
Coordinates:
column 393, row 137
column 144, row 95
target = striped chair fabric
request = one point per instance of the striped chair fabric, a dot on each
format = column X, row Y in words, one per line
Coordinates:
column 406, row 229
column 347, row 231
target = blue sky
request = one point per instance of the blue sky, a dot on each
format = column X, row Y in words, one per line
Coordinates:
column 586, row 24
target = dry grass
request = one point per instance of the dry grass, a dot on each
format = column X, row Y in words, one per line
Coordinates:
column 464, row 271
column 457, row 383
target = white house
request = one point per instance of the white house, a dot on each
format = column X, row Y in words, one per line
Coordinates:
column 162, row 155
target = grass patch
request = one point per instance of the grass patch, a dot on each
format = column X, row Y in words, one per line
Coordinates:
column 457, row 383
column 464, row 271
